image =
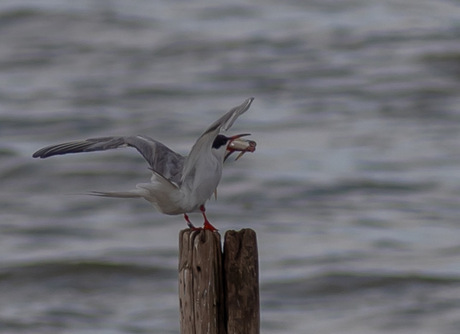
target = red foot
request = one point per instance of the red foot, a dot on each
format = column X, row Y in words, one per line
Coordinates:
column 207, row 225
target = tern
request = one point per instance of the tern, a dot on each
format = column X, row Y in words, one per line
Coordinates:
column 179, row 185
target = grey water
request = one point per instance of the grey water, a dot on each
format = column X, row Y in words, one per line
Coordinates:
column 354, row 190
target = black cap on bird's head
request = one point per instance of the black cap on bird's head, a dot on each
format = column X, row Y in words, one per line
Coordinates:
column 220, row 141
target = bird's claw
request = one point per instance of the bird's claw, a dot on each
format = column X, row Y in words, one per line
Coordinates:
column 207, row 226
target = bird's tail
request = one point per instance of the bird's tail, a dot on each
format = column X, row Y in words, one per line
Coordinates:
column 117, row 194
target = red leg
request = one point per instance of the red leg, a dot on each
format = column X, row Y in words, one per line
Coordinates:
column 207, row 225
column 189, row 223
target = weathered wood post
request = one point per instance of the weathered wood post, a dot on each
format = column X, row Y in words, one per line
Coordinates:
column 218, row 293
column 200, row 283
column 241, row 278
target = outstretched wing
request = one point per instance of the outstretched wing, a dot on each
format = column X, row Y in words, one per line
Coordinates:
column 207, row 138
column 160, row 158
column 226, row 121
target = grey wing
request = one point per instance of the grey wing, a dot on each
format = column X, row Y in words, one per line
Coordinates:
column 226, row 121
column 160, row 158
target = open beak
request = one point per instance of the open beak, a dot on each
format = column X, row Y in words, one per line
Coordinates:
column 236, row 144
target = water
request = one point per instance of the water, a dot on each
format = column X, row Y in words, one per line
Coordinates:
column 354, row 190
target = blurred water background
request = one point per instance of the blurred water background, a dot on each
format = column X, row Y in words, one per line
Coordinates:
column 354, row 190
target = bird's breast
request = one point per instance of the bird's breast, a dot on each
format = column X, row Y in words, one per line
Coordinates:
column 203, row 181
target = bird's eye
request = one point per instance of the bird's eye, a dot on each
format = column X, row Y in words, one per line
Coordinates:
column 219, row 141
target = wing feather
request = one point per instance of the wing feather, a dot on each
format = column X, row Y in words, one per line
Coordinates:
column 160, row 158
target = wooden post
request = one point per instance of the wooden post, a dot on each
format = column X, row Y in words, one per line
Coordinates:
column 200, row 283
column 218, row 293
column 241, row 277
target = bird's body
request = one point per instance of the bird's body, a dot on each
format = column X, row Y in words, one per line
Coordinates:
column 179, row 184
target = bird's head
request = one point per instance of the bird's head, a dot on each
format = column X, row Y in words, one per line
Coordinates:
column 223, row 146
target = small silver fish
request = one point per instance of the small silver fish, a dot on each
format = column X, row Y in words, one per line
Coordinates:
column 242, row 146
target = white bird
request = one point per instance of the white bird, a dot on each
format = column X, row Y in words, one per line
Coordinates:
column 179, row 185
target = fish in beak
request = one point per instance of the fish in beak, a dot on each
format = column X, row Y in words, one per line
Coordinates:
column 237, row 144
